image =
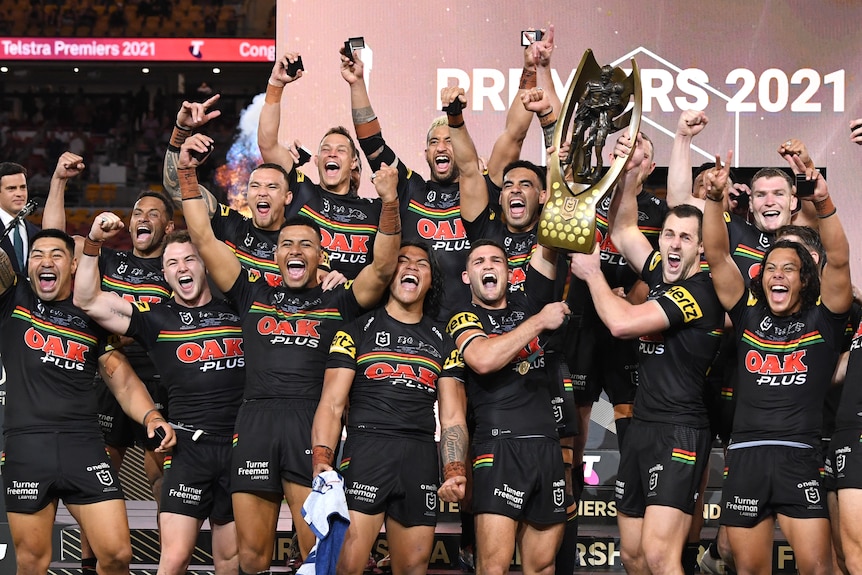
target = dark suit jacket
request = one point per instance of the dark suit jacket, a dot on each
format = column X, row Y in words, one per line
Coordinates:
column 6, row 245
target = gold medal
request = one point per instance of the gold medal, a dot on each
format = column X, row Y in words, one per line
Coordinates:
column 524, row 367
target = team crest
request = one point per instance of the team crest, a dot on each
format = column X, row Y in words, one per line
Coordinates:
column 431, row 500
column 558, row 413
column 248, row 241
column 382, row 338
column 186, row 317
column 432, row 195
column 840, row 461
column 653, row 481
column 121, row 269
column 559, row 496
column 812, row 495
column 105, row 478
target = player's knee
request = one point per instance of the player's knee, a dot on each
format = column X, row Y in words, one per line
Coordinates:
column 32, row 561
column 253, row 560
column 115, row 559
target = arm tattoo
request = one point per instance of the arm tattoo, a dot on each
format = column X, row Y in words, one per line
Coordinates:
column 7, row 272
column 453, row 444
column 171, row 182
column 363, row 115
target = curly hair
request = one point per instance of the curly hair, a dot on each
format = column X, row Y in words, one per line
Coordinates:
column 809, row 273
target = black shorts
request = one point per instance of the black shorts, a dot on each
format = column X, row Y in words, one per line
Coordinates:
column 718, row 394
column 197, row 478
column 271, row 442
column 845, row 456
column 118, row 429
column 41, row 467
column 520, row 478
column 662, row 464
column 768, row 479
column 391, row 475
column 598, row 361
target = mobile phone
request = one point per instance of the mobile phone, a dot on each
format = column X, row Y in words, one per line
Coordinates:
column 304, row 156
column 804, row 188
column 153, row 442
column 353, row 44
column 294, row 67
column 201, row 156
column 530, row 36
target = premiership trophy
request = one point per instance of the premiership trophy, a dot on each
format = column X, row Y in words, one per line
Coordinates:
column 595, row 108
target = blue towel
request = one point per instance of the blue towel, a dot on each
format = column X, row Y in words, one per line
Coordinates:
column 325, row 511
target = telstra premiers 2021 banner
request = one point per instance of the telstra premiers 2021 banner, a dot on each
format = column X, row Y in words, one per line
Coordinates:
column 762, row 71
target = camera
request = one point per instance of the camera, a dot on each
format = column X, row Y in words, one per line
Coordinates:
column 530, row 36
column 804, row 188
column 353, row 44
column 304, row 156
column 201, row 156
column 294, row 67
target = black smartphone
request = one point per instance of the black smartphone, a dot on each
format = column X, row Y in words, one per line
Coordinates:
column 530, row 36
column 153, row 442
column 201, row 156
column 294, row 67
column 804, row 188
column 304, row 156
column 353, row 44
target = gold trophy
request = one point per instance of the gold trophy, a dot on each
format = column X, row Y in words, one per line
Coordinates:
column 595, row 108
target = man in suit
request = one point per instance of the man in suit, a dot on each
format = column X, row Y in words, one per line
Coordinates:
column 14, row 196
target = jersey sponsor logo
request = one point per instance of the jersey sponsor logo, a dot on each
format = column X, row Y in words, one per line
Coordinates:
column 445, row 230
column 343, row 343
column 685, row 302
column 225, row 210
column 654, row 261
column 290, row 332
column 341, row 242
column 410, row 375
column 775, row 370
column 213, row 354
column 651, row 344
column 143, row 306
column 66, row 355
column 463, row 320
column 454, row 360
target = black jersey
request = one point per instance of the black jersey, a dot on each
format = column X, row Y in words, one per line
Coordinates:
column 747, row 246
column 254, row 247
column 513, row 402
column 347, row 223
column 675, row 362
column 50, row 352
column 286, row 335
column 397, row 366
column 785, row 367
column 200, row 352
column 846, row 414
column 135, row 279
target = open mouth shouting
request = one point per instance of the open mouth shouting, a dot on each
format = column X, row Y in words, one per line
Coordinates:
column 442, row 162
column 517, row 207
column 185, row 281
column 331, row 169
column 47, row 281
column 295, row 269
column 410, row 282
column 489, row 280
column 144, row 232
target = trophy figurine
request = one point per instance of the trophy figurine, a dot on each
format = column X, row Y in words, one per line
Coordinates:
column 595, row 107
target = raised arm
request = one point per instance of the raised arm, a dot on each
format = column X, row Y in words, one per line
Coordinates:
column 454, row 438
column 690, row 124
column 474, row 191
column 623, row 212
column 507, row 147
column 726, row 277
column 111, row 311
column 326, row 429
column 371, row 283
column 222, row 264
column 623, row 319
column 192, row 115
column 270, row 115
column 7, row 272
column 68, row 166
column 836, row 290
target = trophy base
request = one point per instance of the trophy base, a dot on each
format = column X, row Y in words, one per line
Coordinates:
column 568, row 221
